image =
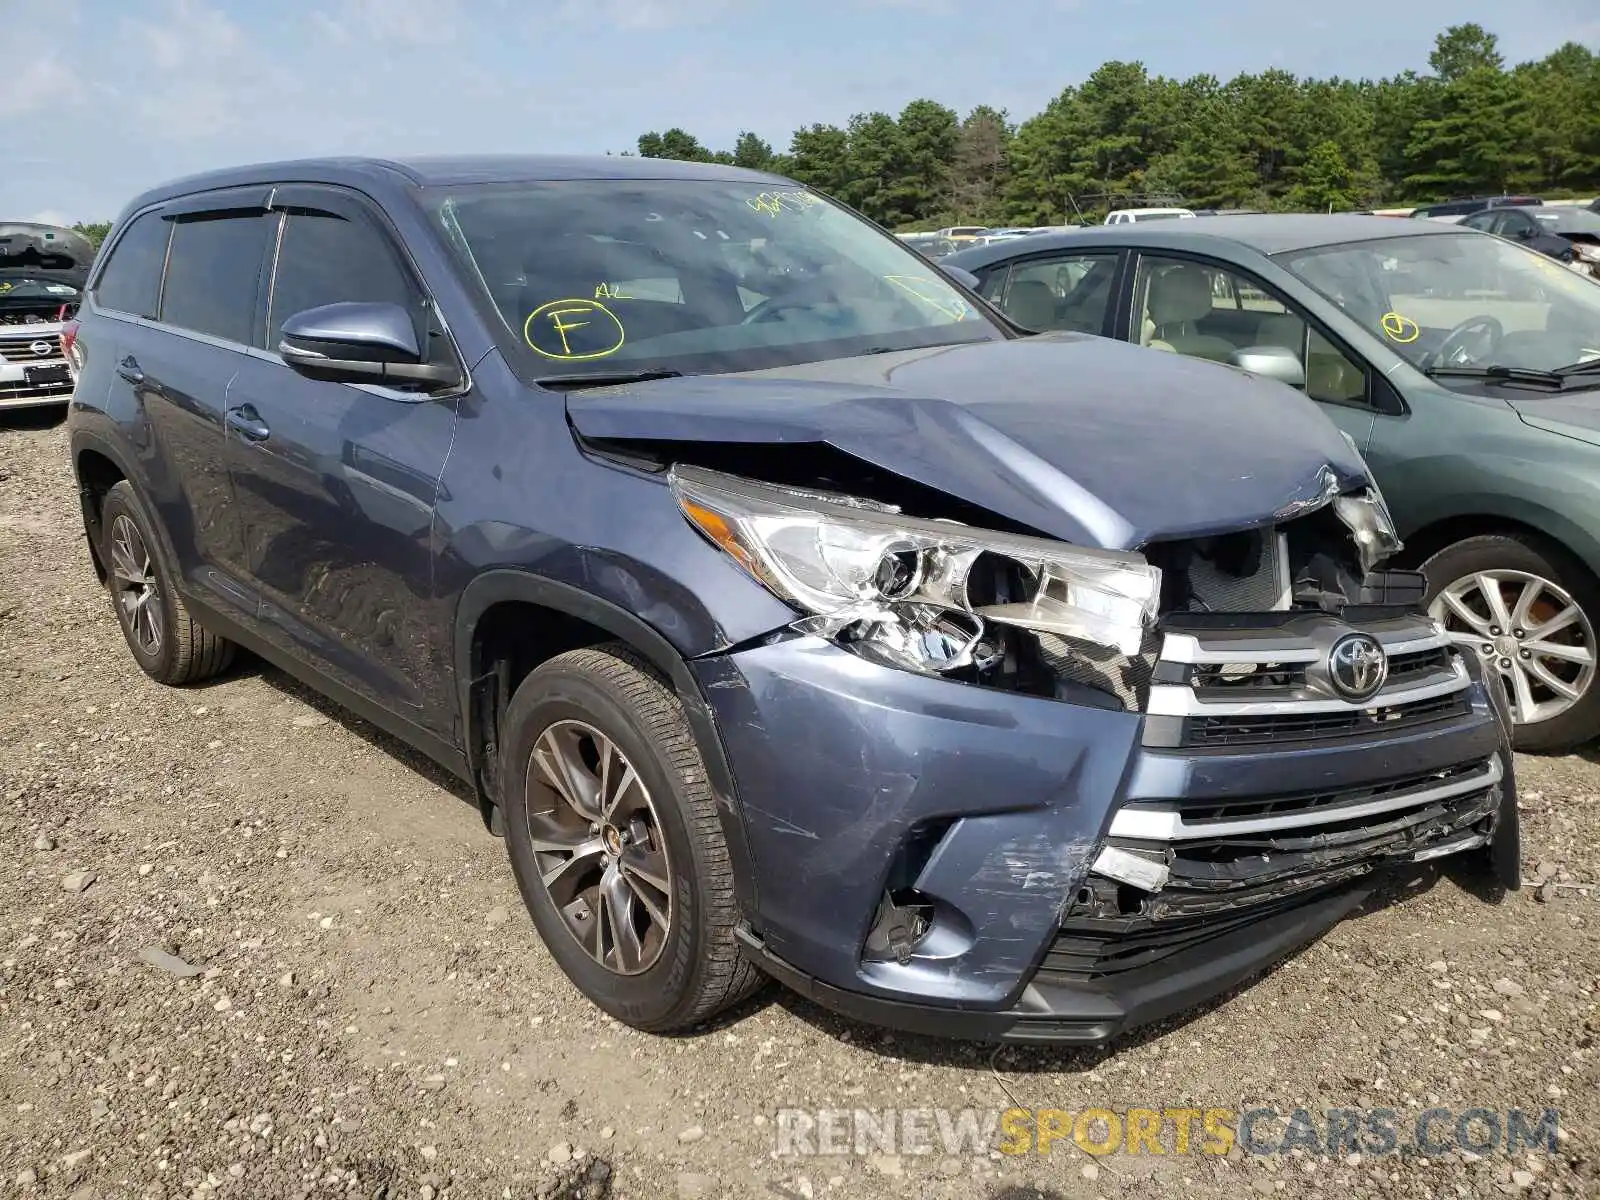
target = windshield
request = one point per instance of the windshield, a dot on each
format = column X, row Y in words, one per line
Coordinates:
column 1568, row 220
column 601, row 276
column 1460, row 299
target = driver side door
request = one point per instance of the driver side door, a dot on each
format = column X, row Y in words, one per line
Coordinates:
column 336, row 482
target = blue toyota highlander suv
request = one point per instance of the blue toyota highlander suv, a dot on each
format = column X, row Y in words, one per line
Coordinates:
column 790, row 613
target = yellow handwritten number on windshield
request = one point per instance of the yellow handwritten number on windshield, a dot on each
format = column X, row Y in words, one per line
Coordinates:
column 573, row 330
column 773, row 203
column 1398, row 328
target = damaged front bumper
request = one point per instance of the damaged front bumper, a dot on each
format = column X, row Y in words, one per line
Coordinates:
column 965, row 862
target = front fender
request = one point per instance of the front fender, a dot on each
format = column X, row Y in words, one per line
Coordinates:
column 511, row 585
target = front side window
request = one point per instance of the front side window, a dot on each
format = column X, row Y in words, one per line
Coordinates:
column 1455, row 299
column 1210, row 312
column 214, row 274
column 130, row 282
column 1066, row 291
column 694, row 276
column 325, row 259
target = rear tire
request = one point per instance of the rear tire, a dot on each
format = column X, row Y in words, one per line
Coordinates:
column 659, row 958
column 167, row 643
column 1546, row 601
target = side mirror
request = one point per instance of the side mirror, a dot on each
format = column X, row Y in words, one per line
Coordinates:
column 965, row 278
column 359, row 343
column 1274, row 362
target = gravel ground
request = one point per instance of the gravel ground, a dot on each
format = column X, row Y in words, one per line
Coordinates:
column 251, row 947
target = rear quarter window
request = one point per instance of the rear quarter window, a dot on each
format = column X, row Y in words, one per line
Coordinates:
column 130, row 282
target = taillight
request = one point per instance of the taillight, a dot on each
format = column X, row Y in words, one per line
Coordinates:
column 69, row 348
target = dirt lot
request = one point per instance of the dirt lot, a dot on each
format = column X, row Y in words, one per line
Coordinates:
column 376, row 1017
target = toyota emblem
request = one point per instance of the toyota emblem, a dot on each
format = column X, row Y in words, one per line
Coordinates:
column 42, row 348
column 1357, row 666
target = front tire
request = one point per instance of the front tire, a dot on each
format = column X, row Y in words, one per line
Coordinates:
column 616, row 843
column 1529, row 614
column 169, row 645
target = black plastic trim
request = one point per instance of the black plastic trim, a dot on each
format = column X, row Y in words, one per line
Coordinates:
column 440, row 751
column 1088, row 1013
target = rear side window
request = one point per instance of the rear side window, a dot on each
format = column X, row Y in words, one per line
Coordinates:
column 326, row 260
column 131, row 279
column 213, row 273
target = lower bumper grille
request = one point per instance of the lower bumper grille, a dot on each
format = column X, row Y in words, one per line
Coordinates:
column 1087, row 951
column 1225, row 873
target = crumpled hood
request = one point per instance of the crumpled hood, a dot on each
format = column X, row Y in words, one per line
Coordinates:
column 1086, row 439
column 32, row 251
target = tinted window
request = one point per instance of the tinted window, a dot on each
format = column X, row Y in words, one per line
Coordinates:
column 1068, row 291
column 131, row 280
column 213, row 271
column 328, row 260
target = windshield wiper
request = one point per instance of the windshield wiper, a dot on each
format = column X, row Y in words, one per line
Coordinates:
column 1496, row 371
column 594, row 379
column 1588, row 366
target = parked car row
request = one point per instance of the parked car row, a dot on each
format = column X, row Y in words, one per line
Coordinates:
column 793, row 611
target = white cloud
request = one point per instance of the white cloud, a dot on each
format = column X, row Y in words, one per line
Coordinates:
column 43, row 83
column 413, row 22
column 49, row 216
column 641, row 15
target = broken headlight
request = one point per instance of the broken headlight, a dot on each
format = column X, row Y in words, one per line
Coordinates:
column 1367, row 517
column 911, row 592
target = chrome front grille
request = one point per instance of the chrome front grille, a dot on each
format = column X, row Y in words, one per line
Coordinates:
column 20, row 349
column 1242, row 685
column 1189, row 821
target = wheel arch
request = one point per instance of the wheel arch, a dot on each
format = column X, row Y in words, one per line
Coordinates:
column 1553, row 534
column 98, row 467
column 509, row 621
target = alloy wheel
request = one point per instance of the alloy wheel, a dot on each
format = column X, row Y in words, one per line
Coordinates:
column 599, row 847
column 1531, row 631
column 138, row 592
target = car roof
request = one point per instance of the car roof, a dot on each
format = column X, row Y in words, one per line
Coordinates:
column 1265, row 233
column 452, row 171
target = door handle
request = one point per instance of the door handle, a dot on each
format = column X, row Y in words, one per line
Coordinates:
column 129, row 369
column 248, row 423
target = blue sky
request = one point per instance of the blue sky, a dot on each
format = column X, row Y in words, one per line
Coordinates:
column 120, row 94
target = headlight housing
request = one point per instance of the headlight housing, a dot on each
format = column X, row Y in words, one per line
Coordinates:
column 911, row 592
column 1368, row 519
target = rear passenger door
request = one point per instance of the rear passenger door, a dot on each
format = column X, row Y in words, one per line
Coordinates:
column 1060, row 290
column 337, row 482
column 181, row 287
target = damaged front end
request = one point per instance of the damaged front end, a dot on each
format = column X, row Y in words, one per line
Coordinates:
column 1202, row 753
column 1027, row 614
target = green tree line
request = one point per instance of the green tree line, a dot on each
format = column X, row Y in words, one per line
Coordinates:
column 1470, row 125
